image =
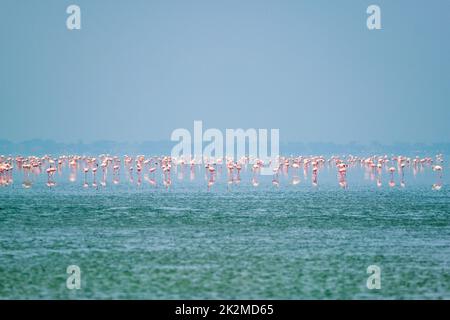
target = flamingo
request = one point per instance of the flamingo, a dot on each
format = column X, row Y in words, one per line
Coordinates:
column 116, row 169
column 85, row 170
column 295, row 177
column 50, row 171
column 94, row 172
column 104, row 167
column 314, row 176
column 275, row 180
column 26, row 170
column 392, row 182
column 438, row 184
column 342, row 175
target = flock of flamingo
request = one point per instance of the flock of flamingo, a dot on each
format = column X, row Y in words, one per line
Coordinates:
column 159, row 169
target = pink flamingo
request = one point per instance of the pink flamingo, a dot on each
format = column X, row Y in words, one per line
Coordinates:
column 237, row 178
column 212, row 176
column 94, row 173
column 295, row 177
column 379, row 169
column 314, row 175
column 86, row 170
column 392, row 182
column 116, row 169
column 50, row 172
column 342, row 174
column 275, row 180
column 192, row 172
column 166, row 166
column 104, row 167
column 255, row 168
column 402, row 175
column 138, row 169
column 26, row 170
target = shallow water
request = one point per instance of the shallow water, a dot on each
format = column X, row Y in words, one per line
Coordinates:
column 232, row 242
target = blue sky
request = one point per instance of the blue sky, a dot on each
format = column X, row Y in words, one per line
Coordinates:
column 139, row 69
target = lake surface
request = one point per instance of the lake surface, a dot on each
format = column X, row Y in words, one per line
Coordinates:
column 231, row 242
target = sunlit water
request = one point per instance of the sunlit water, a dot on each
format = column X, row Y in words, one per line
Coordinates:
column 232, row 242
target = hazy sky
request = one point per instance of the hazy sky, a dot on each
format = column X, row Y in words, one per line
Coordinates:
column 137, row 70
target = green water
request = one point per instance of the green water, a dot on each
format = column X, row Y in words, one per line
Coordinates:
column 247, row 243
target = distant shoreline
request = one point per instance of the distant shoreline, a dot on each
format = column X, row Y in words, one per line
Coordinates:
column 43, row 147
